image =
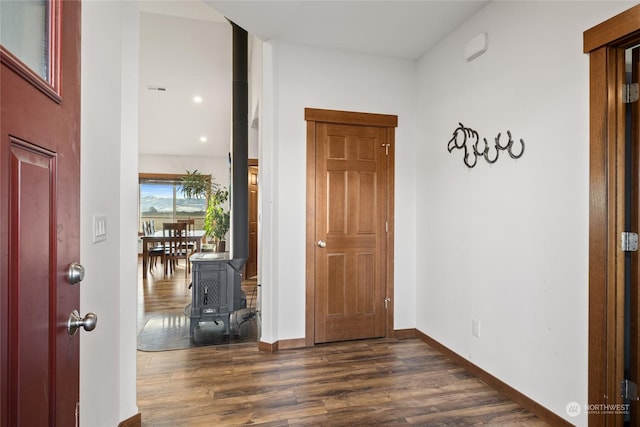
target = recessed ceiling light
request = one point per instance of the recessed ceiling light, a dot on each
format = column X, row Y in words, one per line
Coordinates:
column 197, row 99
column 203, row 139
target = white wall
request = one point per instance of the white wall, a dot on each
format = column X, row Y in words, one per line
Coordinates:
column 296, row 77
column 255, row 90
column 507, row 244
column 108, row 186
column 217, row 167
column 130, row 24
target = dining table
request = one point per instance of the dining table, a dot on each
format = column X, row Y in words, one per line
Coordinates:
column 194, row 236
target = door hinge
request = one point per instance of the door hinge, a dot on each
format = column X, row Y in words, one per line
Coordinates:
column 386, row 149
column 386, row 226
column 628, row 390
column 630, row 93
column 629, row 241
column 386, row 302
column 77, row 414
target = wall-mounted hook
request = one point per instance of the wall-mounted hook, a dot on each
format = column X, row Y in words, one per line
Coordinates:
column 468, row 140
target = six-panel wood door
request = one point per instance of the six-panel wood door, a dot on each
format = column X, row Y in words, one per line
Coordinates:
column 351, row 197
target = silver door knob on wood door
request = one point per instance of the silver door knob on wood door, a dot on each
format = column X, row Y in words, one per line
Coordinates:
column 322, row 243
column 88, row 322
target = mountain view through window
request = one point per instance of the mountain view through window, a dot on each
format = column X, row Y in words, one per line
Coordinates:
column 163, row 201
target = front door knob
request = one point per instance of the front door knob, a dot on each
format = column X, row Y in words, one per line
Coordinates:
column 322, row 243
column 75, row 322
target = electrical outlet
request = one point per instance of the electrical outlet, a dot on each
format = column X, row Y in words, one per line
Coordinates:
column 475, row 328
column 99, row 228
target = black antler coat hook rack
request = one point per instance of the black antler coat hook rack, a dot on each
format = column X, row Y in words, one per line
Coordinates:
column 468, row 140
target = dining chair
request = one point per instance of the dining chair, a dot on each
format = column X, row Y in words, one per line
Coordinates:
column 156, row 251
column 191, row 223
column 191, row 226
column 176, row 248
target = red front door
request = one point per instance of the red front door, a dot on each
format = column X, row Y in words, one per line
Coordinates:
column 39, row 211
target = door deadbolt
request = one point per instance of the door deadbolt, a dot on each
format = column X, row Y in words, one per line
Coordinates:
column 76, row 273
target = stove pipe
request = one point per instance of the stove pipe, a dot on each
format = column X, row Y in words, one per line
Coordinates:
column 240, row 150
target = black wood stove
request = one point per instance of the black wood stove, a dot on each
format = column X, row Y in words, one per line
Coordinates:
column 216, row 290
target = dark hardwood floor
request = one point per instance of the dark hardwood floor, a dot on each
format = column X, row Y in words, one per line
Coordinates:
column 370, row 382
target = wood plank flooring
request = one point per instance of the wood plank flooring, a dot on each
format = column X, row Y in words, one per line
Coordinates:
column 370, row 382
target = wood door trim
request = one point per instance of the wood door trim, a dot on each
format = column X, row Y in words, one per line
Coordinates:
column 350, row 118
column 606, row 44
column 633, row 224
column 313, row 116
column 161, row 176
column 310, row 267
column 612, row 31
column 391, row 228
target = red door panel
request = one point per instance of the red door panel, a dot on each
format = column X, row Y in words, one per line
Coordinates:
column 40, row 227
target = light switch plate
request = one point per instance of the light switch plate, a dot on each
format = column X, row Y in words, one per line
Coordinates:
column 99, row 228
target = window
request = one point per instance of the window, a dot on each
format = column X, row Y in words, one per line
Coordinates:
column 161, row 200
column 30, row 42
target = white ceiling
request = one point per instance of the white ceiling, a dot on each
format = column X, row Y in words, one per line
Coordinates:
column 401, row 29
column 186, row 47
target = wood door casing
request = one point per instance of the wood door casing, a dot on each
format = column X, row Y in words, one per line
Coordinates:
column 350, row 207
column 606, row 43
column 634, row 222
column 40, row 232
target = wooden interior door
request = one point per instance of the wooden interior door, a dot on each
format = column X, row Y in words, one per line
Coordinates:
column 39, row 213
column 252, row 259
column 350, row 231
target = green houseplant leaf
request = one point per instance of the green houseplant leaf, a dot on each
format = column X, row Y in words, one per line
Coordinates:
column 195, row 185
column 217, row 220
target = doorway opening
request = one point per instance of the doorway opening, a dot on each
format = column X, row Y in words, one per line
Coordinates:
column 175, row 40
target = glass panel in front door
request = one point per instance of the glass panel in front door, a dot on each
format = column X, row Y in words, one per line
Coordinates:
column 24, row 31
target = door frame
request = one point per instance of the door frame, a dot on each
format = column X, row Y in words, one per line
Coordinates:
column 606, row 44
column 390, row 122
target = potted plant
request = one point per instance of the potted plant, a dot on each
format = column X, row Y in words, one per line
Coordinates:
column 217, row 220
column 195, row 185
